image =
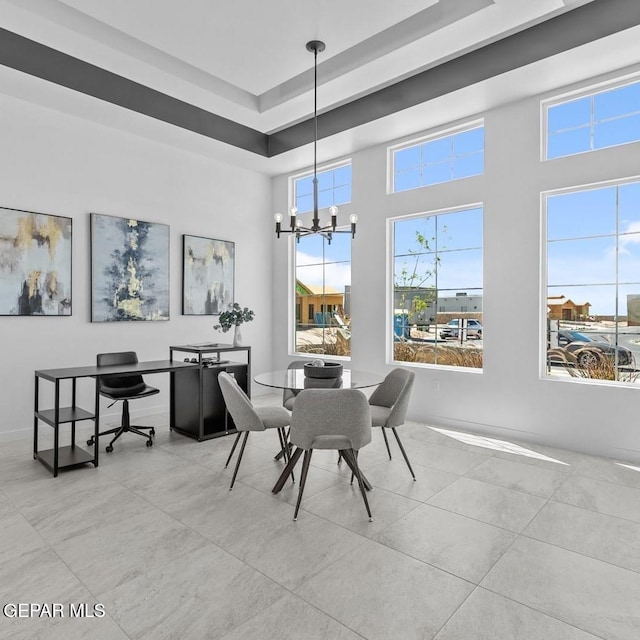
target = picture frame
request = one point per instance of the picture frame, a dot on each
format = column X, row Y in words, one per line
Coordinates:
column 208, row 275
column 35, row 263
column 129, row 269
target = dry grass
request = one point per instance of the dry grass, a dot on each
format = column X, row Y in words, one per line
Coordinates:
column 603, row 369
column 470, row 357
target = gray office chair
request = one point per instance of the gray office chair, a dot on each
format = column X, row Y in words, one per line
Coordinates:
column 248, row 418
column 389, row 404
column 125, row 388
column 337, row 419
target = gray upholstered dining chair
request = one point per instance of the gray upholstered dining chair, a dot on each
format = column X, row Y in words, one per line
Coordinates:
column 289, row 395
column 335, row 419
column 389, row 403
column 248, row 418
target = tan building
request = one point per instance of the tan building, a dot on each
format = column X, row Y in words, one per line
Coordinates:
column 562, row 308
column 315, row 304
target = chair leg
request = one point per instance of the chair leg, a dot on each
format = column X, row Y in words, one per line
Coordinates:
column 384, row 433
column 404, row 453
column 286, row 453
column 235, row 472
column 303, row 479
column 280, row 454
column 233, row 448
column 354, row 455
column 287, row 471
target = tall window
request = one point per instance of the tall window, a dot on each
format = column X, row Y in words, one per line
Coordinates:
column 603, row 119
column 593, row 283
column 450, row 157
column 437, row 288
column 323, row 288
column 334, row 187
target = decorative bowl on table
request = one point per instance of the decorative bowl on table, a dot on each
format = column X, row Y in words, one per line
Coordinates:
column 320, row 369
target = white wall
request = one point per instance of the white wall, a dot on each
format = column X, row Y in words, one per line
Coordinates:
column 54, row 163
column 508, row 399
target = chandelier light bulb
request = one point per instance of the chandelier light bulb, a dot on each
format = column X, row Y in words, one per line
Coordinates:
column 333, row 210
column 353, row 218
column 278, row 217
column 293, row 211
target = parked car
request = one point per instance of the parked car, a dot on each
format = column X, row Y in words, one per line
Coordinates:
column 578, row 348
column 450, row 330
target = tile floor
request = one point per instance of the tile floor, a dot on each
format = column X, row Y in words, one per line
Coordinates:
column 493, row 542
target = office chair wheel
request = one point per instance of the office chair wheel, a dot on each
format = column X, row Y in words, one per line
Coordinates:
column 109, row 448
column 152, row 432
column 149, row 443
column 90, row 442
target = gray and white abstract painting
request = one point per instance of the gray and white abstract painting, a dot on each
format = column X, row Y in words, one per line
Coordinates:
column 207, row 275
column 129, row 269
column 35, row 264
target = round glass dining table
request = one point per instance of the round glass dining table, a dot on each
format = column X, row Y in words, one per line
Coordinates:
column 296, row 380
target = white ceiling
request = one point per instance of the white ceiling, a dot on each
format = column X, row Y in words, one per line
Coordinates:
column 246, row 60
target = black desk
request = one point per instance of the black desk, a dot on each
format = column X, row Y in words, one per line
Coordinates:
column 72, row 455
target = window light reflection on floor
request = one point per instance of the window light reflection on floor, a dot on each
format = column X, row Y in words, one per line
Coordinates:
column 496, row 445
column 628, row 466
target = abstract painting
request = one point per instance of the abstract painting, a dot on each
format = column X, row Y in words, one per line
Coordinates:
column 207, row 275
column 129, row 269
column 35, row 264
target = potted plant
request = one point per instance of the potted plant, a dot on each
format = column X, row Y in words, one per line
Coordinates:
column 234, row 317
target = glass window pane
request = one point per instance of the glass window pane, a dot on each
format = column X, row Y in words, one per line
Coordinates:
column 325, row 200
column 342, row 195
column 415, row 235
column 460, row 269
column 436, row 150
column 569, row 114
column 325, row 180
column 613, row 132
column 582, row 213
column 407, row 180
column 468, row 141
column 408, row 158
column 342, row 175
column 588, row 261
column 436, row 173
column 340, row 248
column 460, row 230
column 304, row 186
column 617, row 102
column 569, row 142
column 468, row 166
column 304, row 203
column 629, row 207
column 629, row 258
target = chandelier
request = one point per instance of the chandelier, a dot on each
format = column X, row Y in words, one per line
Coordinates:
column 296, row 226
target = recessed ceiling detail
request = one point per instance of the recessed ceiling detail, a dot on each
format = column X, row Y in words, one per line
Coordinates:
column 360, row 79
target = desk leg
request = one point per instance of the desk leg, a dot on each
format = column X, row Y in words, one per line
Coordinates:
column 96, row 425
column 56, row 430
column 73, row 405
column 35, row 418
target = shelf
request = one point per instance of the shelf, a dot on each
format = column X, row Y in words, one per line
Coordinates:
column 67, row 414
column 67, row 457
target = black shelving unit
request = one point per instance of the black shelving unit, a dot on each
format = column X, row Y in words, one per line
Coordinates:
column 197, row 407
column 68, row 456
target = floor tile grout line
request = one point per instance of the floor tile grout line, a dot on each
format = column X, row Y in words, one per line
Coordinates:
column 545, row 613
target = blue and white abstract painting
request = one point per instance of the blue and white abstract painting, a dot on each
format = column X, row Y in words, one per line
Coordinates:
column 129, row 269
column 207, row 275
column 35, row 264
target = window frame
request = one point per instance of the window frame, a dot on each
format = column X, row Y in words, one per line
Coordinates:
column 544, row 285
column 390, row 287
column 469, row 125
column 589, row 91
